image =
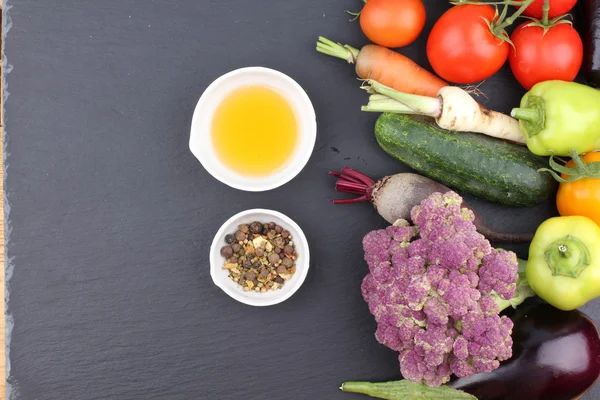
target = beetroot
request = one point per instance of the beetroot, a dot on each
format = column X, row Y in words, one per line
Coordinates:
column 394, row 197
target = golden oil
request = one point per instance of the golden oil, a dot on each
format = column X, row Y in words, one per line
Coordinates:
column 254, row 131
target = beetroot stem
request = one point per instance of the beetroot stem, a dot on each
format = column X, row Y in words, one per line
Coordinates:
column 355, row 182
column 350, row 201
column 358, row 175
column 345, row 177
column 361, row 192
column 346, row 185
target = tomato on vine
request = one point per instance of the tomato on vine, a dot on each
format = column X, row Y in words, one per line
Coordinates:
column 544, row 54
column 469, row 43
column 545, row 50
column 556, row 8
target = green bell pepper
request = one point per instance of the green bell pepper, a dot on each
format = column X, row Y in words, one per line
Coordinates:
column 560, row 118
column 564, row 261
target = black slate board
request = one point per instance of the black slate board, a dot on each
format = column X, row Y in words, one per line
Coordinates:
column 111, row 216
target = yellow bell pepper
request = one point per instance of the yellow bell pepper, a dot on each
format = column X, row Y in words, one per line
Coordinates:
column 564, row 261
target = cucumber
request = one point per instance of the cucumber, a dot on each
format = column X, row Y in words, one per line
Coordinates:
column 487, row 168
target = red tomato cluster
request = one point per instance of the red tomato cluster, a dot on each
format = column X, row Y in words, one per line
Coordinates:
column 462, row 48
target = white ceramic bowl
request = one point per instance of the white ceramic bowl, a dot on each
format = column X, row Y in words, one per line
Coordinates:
column 200, row 136
column 221, row 278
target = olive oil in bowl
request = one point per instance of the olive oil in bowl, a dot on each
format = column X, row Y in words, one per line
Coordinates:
column 254, row 131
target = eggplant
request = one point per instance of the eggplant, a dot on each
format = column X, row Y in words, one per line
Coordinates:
column 591, row 42
column 556, row 356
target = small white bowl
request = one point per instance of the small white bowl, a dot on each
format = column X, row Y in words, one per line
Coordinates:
column 221, row 278
column 200, row 136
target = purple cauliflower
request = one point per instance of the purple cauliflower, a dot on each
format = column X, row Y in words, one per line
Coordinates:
column 436, row 289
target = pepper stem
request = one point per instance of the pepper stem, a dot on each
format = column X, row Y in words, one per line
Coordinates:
column 532, row 116
column 525, row 114
column 567, row 256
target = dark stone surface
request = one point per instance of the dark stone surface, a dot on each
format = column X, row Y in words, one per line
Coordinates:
column 112, row 216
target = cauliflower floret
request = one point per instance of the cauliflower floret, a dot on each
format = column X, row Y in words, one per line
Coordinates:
column 499, row 273
column 437, row 311
column 435, row 290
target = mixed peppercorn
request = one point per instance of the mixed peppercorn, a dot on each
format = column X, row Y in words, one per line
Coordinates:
column 259, row 256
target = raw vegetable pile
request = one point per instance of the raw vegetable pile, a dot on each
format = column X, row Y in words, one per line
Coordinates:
column 467, row 318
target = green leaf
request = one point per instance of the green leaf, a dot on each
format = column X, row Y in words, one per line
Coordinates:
column 405, row 390
column 581, row 170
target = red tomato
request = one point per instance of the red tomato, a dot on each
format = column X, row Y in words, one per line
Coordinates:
column 556, row 55
column 462, row 49
column 392, row 23
column 557, row 7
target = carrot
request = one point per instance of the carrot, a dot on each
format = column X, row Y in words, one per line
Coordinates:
column 386, row 66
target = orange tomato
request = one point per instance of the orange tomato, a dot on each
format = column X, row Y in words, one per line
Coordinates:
column 393, row 23
column 581, row 197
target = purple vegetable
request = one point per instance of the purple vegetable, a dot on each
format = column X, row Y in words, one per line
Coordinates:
column 556, row 356
column 394, row 197
column 436, row 290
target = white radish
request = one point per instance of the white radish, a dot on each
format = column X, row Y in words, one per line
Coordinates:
column 394, row 197
column 453, row 109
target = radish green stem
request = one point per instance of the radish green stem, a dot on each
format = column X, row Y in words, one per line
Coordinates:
column 409, row 103
column 338, row 50
column 376, row 96
column 389, row 105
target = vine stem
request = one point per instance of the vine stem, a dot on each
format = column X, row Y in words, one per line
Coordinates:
column 504, row 12
column 491, row 3
column 509, row 21
column 545, row 10
column 355, row 14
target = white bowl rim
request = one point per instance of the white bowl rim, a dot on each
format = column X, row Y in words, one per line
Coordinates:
column 301, row 159
column 298, row 279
